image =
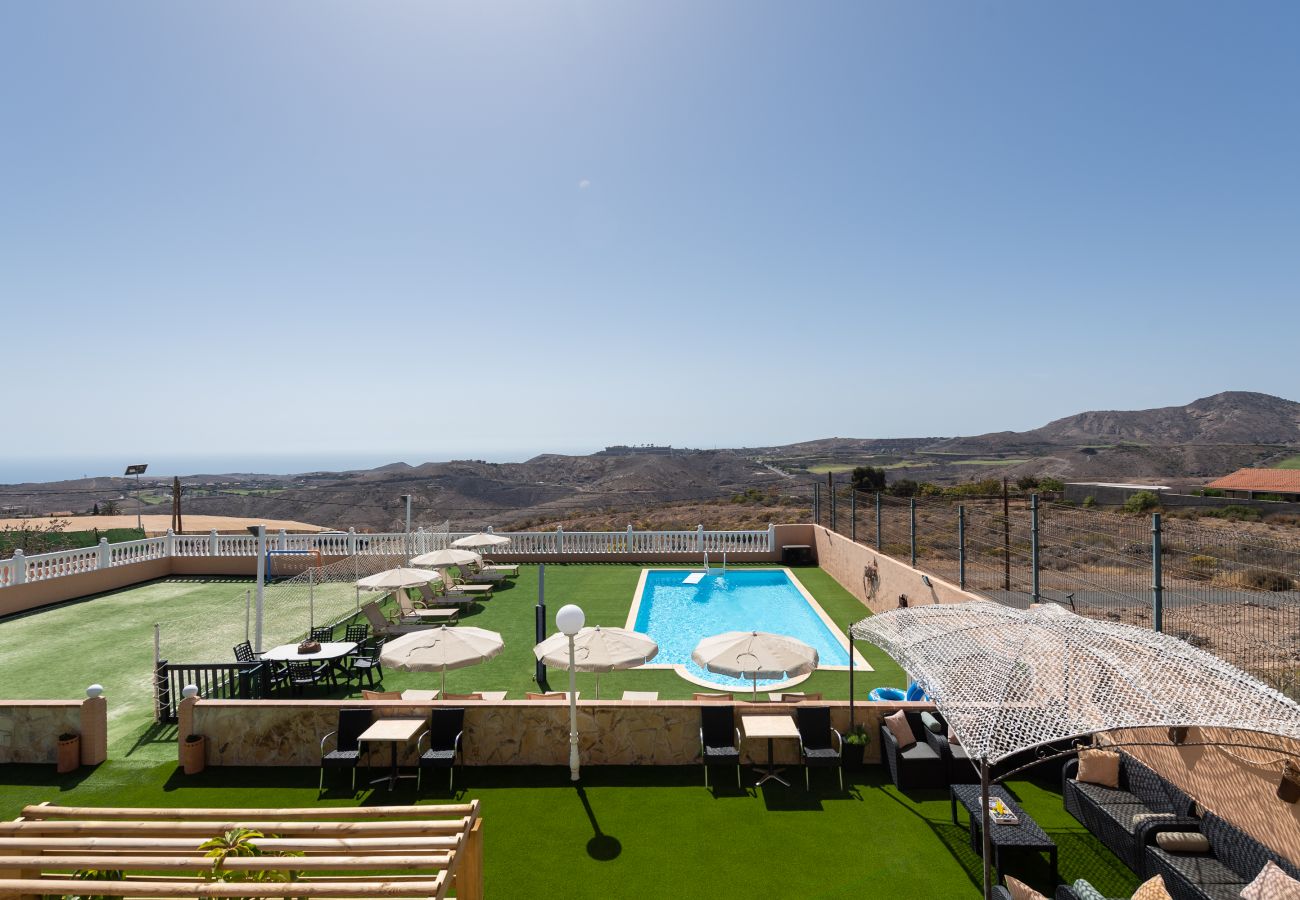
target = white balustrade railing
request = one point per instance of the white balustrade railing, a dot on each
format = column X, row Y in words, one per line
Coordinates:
column 21, row 569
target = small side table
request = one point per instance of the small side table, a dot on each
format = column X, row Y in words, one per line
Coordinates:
column 770, row 728
column 393, row 732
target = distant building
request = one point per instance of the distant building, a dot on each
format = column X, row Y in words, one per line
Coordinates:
column 1246, row 484
column 1106, row 492
column 625, row 450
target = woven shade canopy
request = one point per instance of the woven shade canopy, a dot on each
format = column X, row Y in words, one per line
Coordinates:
column 1009, row 680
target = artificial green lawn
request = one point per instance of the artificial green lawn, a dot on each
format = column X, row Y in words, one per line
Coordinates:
column 56, row 652
column 651, row 832
column 629, row 832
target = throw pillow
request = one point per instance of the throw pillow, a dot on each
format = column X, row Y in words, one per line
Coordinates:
column 1084, row 891
column 1152, row 890
column 1099, row 767
column 932, row 722
column 1182, row 842
column 1142, row 818
column 1021, row 891
column 901, row 729
column 1272, row 884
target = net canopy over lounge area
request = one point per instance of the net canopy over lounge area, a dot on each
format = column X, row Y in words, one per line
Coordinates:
column 1009, row 680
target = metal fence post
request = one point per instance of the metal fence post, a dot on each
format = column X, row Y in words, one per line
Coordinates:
column 835, row 519
column 817, row 503
column 961, row 547
column 1033, row 544
column 1157, row 576
column 853, row 514
column 878, row 545
column 911, row 527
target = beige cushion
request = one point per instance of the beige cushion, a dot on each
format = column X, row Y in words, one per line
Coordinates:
column 898, row 726
column 1272, row 884
column 1099, row 767
column 952, row 737
column 1152, row 890
column 1182, row 842
column 1143, row 818
column 381, row 695
column 1021, row 891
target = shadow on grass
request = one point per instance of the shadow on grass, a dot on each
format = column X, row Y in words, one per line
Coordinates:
column 152, row 735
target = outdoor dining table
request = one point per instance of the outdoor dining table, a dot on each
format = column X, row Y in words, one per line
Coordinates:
column 770, row 728
column 329, row 651
column 392, row 732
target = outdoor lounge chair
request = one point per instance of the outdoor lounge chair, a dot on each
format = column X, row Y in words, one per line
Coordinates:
column 918, row 766
column 431, row 598
column 472, row 574
column 347, row 749
column 382, row 627
column 510, row 570
column 719, row 739
column 819, row 744
column 956, row 761
column 415, row 611
column 456, row 584
column 446, row 728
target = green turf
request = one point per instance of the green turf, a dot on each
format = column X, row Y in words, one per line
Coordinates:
column 56, row 652
column 642, row 832
column 1291, row 462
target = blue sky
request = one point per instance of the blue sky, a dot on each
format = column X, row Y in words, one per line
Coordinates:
column 417, row 230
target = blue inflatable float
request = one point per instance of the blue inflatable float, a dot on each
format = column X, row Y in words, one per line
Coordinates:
column 894, row 695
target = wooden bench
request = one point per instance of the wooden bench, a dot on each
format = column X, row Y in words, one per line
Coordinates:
column 417, row 852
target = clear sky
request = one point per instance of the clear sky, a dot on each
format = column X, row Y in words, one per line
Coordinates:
column 375, row 231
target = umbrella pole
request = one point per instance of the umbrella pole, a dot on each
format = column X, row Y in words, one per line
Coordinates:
column 443, row 690
column 984, row 828
column 852, row 719
column 754, row 695
column 597, row 685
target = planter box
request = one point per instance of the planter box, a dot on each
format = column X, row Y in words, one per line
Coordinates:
column 68, row 758
column 194, row 754
column 853, row 754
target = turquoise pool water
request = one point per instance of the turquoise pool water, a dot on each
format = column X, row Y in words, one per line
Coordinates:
column 679, row 615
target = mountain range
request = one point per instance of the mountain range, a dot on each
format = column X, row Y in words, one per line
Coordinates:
column 1179, row 445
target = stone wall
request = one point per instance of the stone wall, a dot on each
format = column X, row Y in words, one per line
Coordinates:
column 852, row 564
column 30, row 729
column 509, row 733
column 22, row 597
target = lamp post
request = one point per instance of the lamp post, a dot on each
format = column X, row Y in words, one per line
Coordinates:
column 137, row 470
column 569, row 620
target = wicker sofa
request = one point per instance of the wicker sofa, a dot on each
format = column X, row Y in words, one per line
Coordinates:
column 957, row 766
column 919, row 766
column 1126, row 819
column 1235, row 858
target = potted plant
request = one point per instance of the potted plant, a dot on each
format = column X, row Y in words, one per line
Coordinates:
column 68, row 758
column 193, row 754
column 855, row 746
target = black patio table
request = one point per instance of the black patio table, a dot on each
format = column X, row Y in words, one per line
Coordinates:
column 1025, row 835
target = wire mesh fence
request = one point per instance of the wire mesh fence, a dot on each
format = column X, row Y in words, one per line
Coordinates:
column 1232, row 591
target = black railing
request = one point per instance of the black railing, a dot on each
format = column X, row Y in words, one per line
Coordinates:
column 215, row 681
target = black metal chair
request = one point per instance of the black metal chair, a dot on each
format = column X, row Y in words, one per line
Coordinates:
column 366, row 662
column 244, row 652
column 279, row 672
column 819, row 744
column 446, row 727
column 324, row 634
column 347, row 749
column 719, row 739
column 303, row 673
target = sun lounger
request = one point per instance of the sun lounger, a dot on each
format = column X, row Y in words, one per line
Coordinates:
column 431, row 598
column 382, row 627
column 510, row 570
column 471, row 574
column 452, row 584
column 418, row 612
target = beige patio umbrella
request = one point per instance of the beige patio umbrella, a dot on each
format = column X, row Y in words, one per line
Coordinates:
column 397, row 579
column 442, row 648
column 598, row 650
column 482, row 539
column 448, row 556
column 755, row 655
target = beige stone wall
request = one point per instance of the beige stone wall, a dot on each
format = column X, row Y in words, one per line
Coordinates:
column 849, row 562
column 510, row 733
column 1236, row 783
column 30, row 729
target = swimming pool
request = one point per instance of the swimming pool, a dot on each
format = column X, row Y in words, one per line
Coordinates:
column 679, row 615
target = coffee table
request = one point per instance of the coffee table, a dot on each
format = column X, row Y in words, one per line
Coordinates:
column 1025, row 835
column 770, row 728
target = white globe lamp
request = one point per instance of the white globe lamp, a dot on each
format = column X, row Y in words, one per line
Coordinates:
column 569, row 620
